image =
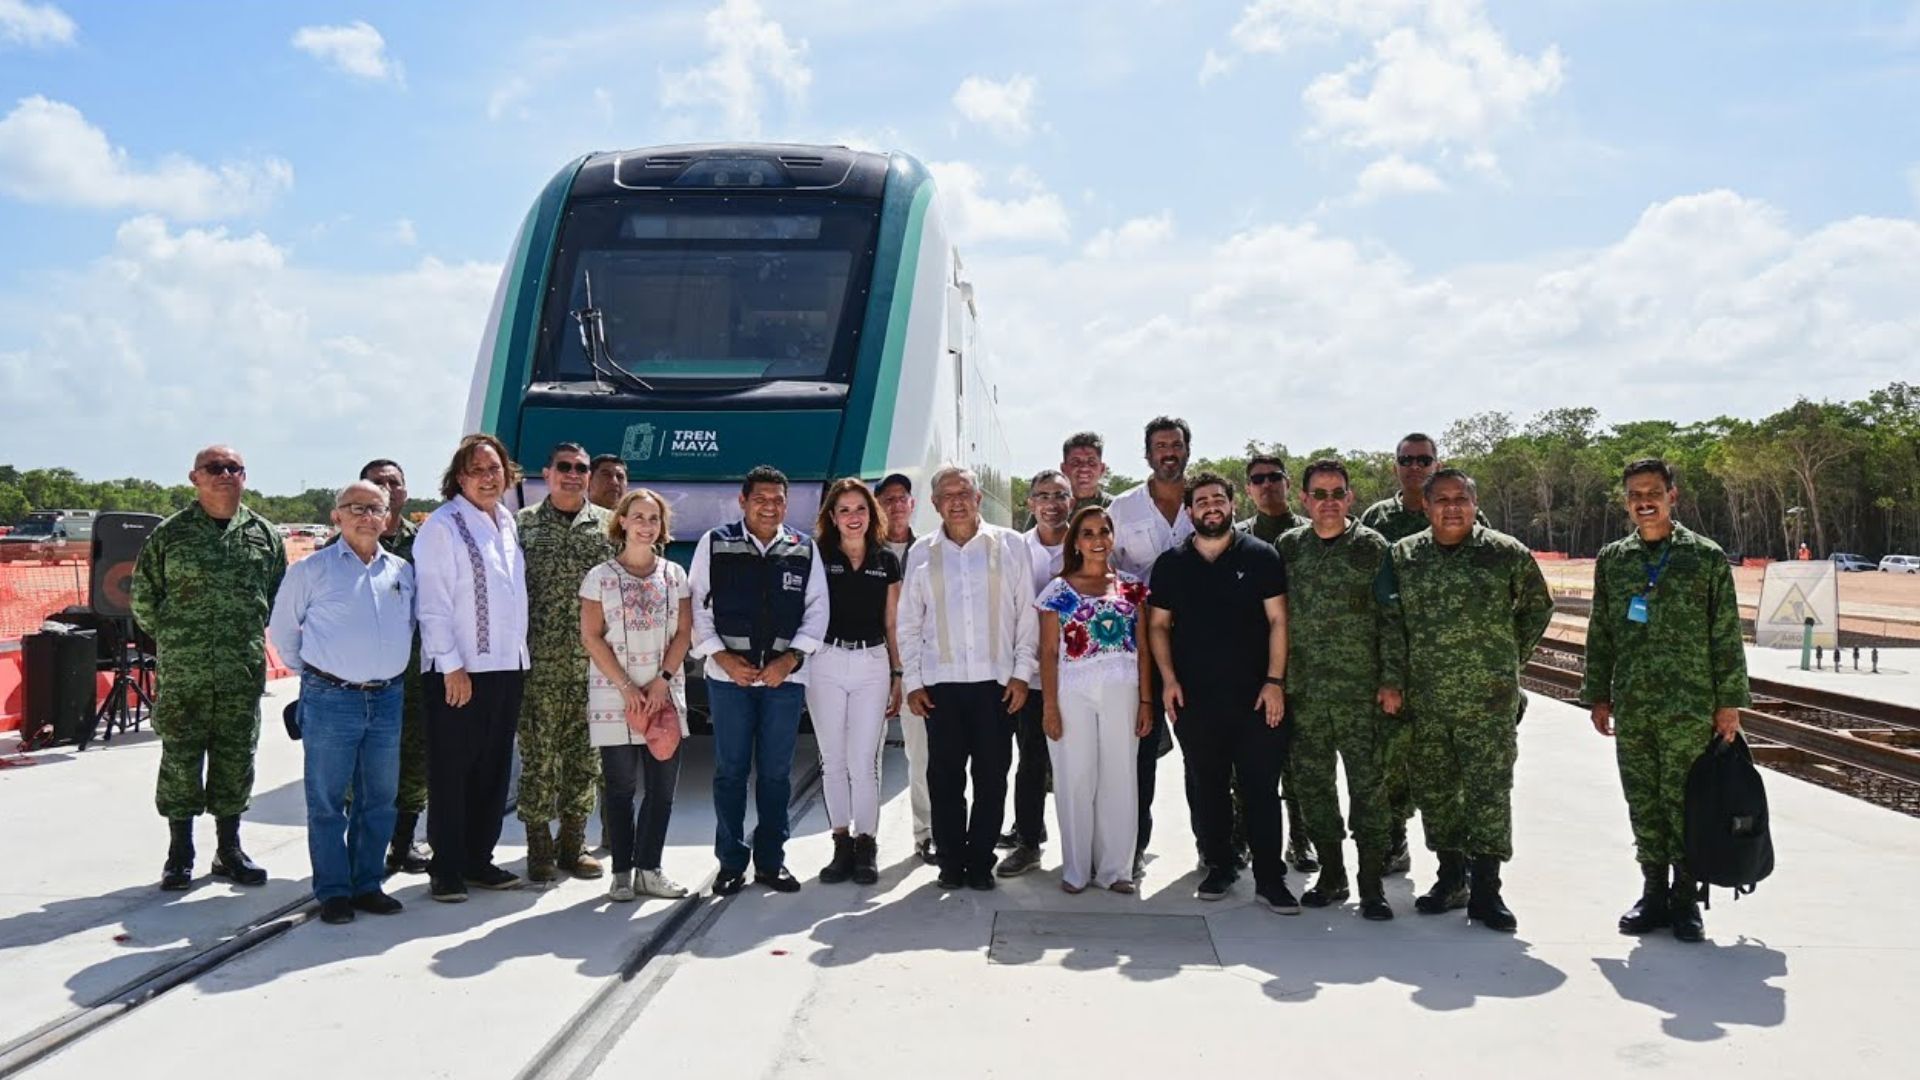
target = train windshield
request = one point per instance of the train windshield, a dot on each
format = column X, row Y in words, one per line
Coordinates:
column 711, row 289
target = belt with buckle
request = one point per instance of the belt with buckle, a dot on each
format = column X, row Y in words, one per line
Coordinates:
column 335, row 680
column 841, row 643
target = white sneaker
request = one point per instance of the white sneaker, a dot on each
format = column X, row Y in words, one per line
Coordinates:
column 655, row 883
column 621, row 890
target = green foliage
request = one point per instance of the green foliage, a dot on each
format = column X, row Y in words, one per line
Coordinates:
column 63, row 489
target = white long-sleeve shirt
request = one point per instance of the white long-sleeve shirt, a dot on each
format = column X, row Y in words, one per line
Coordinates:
column 1141, row 532
column 706, row 640
column 472, row 601
column 966, row 610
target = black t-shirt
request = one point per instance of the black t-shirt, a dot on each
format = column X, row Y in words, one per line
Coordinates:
column 857, row 599
column 1219, row 613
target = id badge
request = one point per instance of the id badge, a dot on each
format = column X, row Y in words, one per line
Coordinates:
column 1637, row 609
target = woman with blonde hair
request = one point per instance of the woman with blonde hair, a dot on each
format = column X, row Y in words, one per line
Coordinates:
column 856, row 677
column 1097, row 684
column 636, row 620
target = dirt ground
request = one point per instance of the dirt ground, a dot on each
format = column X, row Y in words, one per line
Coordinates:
column 1871, row 602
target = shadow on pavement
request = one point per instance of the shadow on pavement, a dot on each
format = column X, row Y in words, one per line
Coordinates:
column 1702, row 988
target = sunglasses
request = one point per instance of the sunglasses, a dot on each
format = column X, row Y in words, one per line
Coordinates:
column 1266, row 478
column 577, row 468
column 1415, row 459
column 223, row 468
column 1325, row 495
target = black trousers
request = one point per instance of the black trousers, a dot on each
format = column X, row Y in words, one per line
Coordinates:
column 1147, row 765
column 1223, row 740
column 636, row 844
column 968, row 732
column 1030, row 775
column 469, row 760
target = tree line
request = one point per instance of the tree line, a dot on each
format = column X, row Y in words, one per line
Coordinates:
column 1840, row 476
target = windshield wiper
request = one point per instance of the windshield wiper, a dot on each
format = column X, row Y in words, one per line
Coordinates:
column 593, row 337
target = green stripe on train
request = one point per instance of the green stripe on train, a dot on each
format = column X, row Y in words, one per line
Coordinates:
column 518, row 338
column 887, row 384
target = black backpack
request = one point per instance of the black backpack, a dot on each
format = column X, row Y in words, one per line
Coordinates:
column 1728, row 836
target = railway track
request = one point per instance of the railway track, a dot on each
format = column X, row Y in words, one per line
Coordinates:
column 1865, row 748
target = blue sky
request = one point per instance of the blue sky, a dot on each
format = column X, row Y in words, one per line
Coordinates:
column 280, row 224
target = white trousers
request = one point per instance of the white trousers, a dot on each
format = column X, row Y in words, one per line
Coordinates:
column 1094, row 792
column 913, row 732
column 847, row 698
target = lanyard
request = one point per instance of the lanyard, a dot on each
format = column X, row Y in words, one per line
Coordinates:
column 1655, row 570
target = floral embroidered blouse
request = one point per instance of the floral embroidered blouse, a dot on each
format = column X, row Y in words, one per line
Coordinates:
column 1096, row 632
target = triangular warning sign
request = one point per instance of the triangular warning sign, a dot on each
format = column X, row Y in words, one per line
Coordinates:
column 1794, row 609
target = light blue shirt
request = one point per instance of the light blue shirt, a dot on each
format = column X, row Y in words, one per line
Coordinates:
column 350, row 619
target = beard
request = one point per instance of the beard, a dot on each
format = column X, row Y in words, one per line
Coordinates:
column 1214, row 528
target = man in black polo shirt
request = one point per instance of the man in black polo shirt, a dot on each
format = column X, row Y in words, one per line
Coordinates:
column 1218, row 628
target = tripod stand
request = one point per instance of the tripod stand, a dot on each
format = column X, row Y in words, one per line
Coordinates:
column 130, row 698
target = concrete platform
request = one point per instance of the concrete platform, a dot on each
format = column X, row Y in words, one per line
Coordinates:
column 1818, row 972
column 1897, row 681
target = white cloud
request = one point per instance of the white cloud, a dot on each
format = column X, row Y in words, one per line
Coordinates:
column 355, row 49
column 750, row 53
column 1132, row 237
column 1450, row 81
column 404, row 233
column 1273, row 26
column 49, row 153
column 204, row 335
column 35, row 26
column 1004, row 108
column 1395, row 175
column 1708, row 304
column 1033, row 215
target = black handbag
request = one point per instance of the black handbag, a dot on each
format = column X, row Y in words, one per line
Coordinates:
column 290, row 716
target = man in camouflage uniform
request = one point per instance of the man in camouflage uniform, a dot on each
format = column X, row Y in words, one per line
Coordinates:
column 1666, row 669
column 203, row 588
column 1397, row 517
column 563, row 537
column 1333, row 685
column 403, row 854
column 1267, row 486
column 1463, row 607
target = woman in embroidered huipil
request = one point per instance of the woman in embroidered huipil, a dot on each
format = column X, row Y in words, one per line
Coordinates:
column 1097, row 682
column 636, row 621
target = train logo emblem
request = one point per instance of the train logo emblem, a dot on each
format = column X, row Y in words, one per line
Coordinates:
column 638, row 444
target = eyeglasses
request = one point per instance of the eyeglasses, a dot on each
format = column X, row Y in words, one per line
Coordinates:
column 1422, row 460
column 223, row 468
column 1048, row 496
column 577, row 468
column 1323, row 495
column 1266, row 478
column 363, row 510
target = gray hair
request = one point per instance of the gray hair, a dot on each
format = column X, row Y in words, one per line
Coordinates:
column 951, row 472
column 1473, row 489
column 340, row 497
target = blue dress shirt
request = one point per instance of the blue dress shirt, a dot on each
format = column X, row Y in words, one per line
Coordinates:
column 350, row 619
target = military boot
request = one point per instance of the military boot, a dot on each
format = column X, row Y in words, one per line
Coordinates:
column 1484, row 905
column 228, row 860
column 841, row 866
column 540, row 852
column 1650, row 911
column 178, row 873
column 866, row 858
column 402, row 855
column 1683, row 907
column 1299, row 847
column 1331, row 886
column 1399, row 859
column 1373, row 898
column 571, row 853
column 1449, row 892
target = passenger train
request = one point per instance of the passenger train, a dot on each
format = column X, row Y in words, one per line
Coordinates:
column 700, row 310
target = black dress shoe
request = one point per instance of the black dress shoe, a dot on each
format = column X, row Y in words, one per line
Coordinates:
column 447, row 889
column 1216, row 883
column 950, row 879
column 981, row 879
column 779, row 881
column 336, row 910
column 377, row 903
column 729, row 882
column 233, row 864
column 924, row 849
column 492, row 877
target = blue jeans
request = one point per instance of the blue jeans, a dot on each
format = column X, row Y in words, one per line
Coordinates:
column 754, row 728
column 351, row 739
